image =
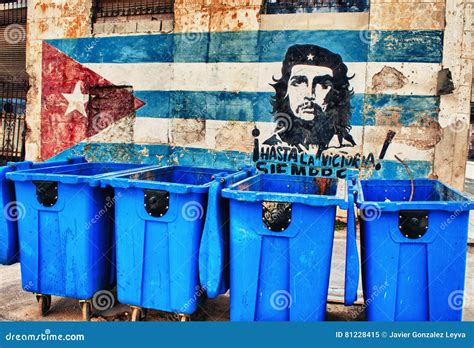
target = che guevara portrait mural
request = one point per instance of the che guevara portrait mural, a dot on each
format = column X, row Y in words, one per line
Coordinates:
column 312, row 101
column 311, row 110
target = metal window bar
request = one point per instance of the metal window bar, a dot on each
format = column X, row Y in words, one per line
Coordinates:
column 118, row 8
column 314, row 6
column 12, row 12
column 12, row 121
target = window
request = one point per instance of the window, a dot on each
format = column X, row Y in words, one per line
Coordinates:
column 314, row 6
column 12, row 12
column 12, row 121
column 13, row 80
column 119, row 8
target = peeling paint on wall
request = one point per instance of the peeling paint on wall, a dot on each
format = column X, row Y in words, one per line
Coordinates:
column 422, row 137
column 187, row 133
column 235, row 136
column 388, row 78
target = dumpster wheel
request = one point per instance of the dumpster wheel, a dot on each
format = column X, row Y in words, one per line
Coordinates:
column 44, row 302
column 86, row 308
column 184, row 317
column 138, row 313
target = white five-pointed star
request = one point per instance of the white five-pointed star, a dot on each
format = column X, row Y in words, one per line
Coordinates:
column 76, row 100
column 310, row 56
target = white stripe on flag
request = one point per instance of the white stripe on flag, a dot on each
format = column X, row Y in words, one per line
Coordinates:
column 399, row 78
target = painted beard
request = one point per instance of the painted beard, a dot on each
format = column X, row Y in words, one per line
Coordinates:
column 319, row 131
column 308, row 111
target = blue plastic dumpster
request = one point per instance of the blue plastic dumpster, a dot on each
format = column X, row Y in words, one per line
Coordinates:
column 413, row 251
column 9, row 252
column 66, row 234
column 281, row 238
column 160, row 215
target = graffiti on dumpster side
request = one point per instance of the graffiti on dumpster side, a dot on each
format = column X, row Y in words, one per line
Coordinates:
column 311, row 108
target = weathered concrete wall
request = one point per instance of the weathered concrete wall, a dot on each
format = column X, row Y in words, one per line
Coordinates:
column 407, row 15
column 48, row 20
column 206, row 85
column 454, row 115
column 424, row 133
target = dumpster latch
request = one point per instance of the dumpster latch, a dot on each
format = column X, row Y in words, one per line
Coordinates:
column 413, row 224
column 276, row 215
column 156, row 202
column 46, row 192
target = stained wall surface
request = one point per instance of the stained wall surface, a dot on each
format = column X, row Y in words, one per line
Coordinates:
column 191, row 89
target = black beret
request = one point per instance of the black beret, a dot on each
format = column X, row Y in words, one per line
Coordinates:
column 310, row 55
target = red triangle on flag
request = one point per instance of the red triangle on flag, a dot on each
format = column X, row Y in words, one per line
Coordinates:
column 77, row 103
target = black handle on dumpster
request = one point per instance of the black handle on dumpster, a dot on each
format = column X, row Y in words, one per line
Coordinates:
column 276, row 215
column 156, row 202
column 413, row 224
column 46, row 192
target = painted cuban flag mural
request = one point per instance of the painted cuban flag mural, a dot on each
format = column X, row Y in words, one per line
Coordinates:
column 226, row 99
column 77, row 103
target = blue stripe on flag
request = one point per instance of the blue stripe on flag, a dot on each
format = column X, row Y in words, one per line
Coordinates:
column 350, row 44
column 255, row 46
column 407, row 46
column 166, row 155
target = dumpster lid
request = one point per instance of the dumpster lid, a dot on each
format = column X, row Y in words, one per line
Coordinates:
column 176, row 179
column 26, row 165
column 394, row 195
column 313, row 191
column 89, row 173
